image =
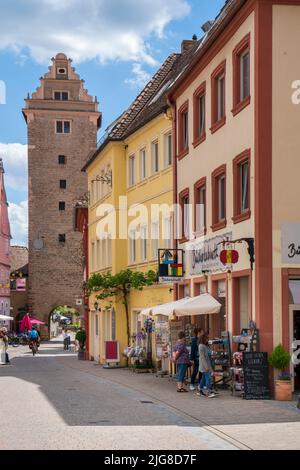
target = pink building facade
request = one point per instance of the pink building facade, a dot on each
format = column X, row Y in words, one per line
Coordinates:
column 5, row 237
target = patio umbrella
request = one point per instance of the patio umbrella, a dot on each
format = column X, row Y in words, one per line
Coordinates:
column 37, row 322
column 25, row 323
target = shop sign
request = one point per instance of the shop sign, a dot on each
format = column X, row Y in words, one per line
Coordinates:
column 290, row 243
column 21, row 284
column 229, row 257
column 205, row 255
column 170, row 265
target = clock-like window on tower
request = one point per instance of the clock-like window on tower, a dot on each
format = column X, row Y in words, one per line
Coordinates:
column 63, row 127
column 61, row 71
column 62, row 206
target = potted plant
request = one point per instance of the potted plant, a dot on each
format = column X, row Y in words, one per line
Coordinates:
column 81, row 338
column 280, row 360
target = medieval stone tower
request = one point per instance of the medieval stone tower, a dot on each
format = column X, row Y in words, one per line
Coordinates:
column 62, row 121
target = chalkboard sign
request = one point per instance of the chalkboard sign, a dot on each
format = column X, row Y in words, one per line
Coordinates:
column 256, row 376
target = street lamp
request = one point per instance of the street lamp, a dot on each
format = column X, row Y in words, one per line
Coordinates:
column 96, row 306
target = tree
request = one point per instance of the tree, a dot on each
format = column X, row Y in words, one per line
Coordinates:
column 119, row 286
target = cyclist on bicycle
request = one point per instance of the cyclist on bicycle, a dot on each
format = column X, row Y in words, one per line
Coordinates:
column 34, row 337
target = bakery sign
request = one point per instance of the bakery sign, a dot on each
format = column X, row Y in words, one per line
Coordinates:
column 290, row 243
column 204, row 255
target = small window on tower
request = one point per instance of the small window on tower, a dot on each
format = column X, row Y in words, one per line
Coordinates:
column 62, row 159
column 62, row 238
column 63, row 184
column 62, row 205
column 63, row 127
column 61, row 95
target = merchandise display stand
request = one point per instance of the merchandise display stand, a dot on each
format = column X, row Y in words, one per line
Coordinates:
column 221, row 359
column 247, row 341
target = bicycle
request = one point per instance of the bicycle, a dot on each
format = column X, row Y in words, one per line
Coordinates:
column 34, row 347
column 13, row 340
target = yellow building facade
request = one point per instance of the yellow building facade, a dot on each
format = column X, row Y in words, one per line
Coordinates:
column 132, row 168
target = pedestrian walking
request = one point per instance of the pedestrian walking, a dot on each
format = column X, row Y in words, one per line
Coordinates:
column 205, row 367
column 67, row 340
column 198, row 332
column 4, row 359
column 181, row 357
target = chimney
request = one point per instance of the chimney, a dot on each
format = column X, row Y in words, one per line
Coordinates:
column 207, row 26
column 188, row 43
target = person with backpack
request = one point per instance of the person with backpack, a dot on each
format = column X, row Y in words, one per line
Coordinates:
column 33, row 337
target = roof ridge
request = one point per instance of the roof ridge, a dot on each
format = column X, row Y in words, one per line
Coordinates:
column 143, row 97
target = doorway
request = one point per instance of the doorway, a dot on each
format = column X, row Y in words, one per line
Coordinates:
column 295, row 336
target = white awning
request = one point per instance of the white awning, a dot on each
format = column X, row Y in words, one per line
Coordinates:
column 164, row 309
column 4, row 317
column 204, row 304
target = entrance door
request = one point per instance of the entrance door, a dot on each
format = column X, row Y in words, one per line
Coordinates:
column 295, row 336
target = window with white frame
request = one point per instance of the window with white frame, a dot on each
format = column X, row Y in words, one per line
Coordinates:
column 143, row 164
column 144, row 243
column 154, row 157
column 245, row 75
column 98, row 256
column 109, row 250
column 154, row 239
column 132, row 247
column 221, row 97
column 93, row 257
column 131, row 170
column 168, row 149
column 103, row 253
column 221, row 198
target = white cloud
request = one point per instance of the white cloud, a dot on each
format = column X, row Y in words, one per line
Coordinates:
column 18, row 217
column 86, row 29
column 140, row 79
column 15, row 165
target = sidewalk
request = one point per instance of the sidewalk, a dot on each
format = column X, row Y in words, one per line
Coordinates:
column 255, row 424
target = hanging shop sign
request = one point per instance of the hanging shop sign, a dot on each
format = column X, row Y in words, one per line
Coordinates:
column 229, row 256
column 170, row 265
column 21, row 284
column 205, row 254
column 290, row 243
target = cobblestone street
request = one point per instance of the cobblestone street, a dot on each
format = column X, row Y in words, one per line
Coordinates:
column 54, row 401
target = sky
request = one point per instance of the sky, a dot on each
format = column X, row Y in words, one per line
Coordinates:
column 116, row 46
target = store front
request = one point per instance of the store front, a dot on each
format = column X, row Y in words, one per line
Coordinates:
column 291, row 321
